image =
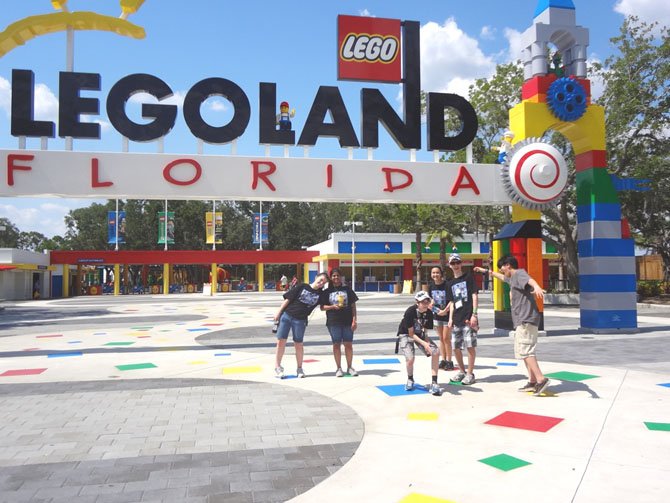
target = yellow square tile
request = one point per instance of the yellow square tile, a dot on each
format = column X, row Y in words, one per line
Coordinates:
column 422, row 498
column 423, row 416
column 240, row 370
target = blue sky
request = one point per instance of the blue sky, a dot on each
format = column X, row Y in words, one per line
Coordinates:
column 291, row 43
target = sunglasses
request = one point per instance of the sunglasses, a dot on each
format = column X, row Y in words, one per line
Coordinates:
column 455, row 262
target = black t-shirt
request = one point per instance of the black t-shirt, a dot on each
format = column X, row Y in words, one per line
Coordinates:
column 331, row 296
column 460, row 291
column 419, row 321
column 439, row 295
column 303, row 301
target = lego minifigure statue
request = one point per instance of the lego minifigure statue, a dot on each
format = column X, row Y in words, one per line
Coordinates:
column 504, row 147
column 284, row 116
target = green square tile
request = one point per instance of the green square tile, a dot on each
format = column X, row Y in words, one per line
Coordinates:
column 504, row 462
column 118, row 344
column 136, row 366
column 570, row 376
column 658, row 426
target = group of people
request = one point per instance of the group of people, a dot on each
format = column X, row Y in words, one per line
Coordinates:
column 449, row 306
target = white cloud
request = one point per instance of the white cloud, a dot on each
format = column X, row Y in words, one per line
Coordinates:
column 5, row 96
column 648, row 11
column 450, row 59
column 217, row 104
column 45, row 216
column 487, row 33
column 515, row 44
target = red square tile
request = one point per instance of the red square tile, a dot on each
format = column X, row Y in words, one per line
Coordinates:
column 525, row 421
column 22, row 372
column 310, row 361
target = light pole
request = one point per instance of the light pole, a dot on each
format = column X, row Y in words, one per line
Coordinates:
column 353, row 251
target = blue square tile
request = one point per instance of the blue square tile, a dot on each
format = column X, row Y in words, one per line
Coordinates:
column 399, row 390
column 507, row 364
column 665, row 384
column 380, row 361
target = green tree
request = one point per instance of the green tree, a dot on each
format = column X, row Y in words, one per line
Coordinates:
column 9, row 234
column 637, row 104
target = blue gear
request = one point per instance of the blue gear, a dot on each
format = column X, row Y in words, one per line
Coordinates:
column 566, row 98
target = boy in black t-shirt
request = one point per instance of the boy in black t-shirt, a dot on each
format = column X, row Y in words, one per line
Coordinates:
column 412, row 331
column 462, row 293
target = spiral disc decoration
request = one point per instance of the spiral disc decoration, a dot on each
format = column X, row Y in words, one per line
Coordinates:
column 535, row 174
column 566, row 98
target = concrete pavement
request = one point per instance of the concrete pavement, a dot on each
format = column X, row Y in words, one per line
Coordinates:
column 147, row 398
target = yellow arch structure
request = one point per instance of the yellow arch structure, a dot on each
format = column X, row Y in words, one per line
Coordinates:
column 20, row 32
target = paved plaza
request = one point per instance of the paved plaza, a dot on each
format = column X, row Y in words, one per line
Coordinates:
column 173, row 399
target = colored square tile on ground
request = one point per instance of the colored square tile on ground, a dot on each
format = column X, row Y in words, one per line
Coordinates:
column 525, row 421
column 422, row 498
column 198, row 329
column 423, row 416
column 570, row 376
column 221, row 354
column 22, row 372
column 136, row 366
column 504, row 462
column 380, row 361
column 399, row 390
column 507, row 364
column 198, row 362
column 665, row 384
column 241, row 370
column 119, row 343
column 310, row 361
column 657, row 426
column 48, row 336
column 74, row 342
column 64, row 355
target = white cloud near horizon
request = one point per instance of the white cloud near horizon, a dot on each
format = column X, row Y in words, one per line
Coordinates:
column 46, row 216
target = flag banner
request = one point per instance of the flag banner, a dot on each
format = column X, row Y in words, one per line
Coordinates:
column 214, row 227
column 111, row 227
column 260, row 231
column 162, row 227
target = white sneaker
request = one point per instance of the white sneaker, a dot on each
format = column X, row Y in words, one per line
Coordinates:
column 300, row 372
column 458, row 377
column 435, row 389
column 469, row 379
column 279, row 372
column 410, row 385
column 352, row 372
column 338, row 372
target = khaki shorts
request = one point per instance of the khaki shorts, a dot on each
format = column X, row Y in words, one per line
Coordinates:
column 525, row 340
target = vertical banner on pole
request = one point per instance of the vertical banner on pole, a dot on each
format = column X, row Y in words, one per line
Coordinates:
column 169, row 227
column 214, row 227
column 111, row 227
column 260, row 230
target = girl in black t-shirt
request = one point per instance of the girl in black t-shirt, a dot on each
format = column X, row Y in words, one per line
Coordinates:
column 292, row 316
column 438, row 291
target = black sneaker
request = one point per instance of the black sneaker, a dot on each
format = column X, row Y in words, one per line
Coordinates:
column 443, row 365
column 541, row 386
column 529, row 386
column 450, row 365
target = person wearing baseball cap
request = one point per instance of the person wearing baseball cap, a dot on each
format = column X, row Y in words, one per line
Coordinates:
column 412, row 332
column 463, row 322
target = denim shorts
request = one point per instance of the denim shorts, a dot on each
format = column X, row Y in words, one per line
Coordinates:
column 341, row 333
column 295, row 325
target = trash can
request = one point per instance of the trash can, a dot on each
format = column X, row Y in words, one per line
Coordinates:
column 391, row 288
column 396, row 288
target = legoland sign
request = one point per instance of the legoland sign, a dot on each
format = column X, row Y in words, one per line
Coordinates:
column 372, row 49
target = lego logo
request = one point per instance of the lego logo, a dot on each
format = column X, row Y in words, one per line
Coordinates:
column 370, row 48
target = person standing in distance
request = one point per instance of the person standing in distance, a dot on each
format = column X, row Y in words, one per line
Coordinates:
column 525, row 318
column 298, row 304
column 339, row 303
column 438, row 291
column 412, row 331
column 462, row 294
